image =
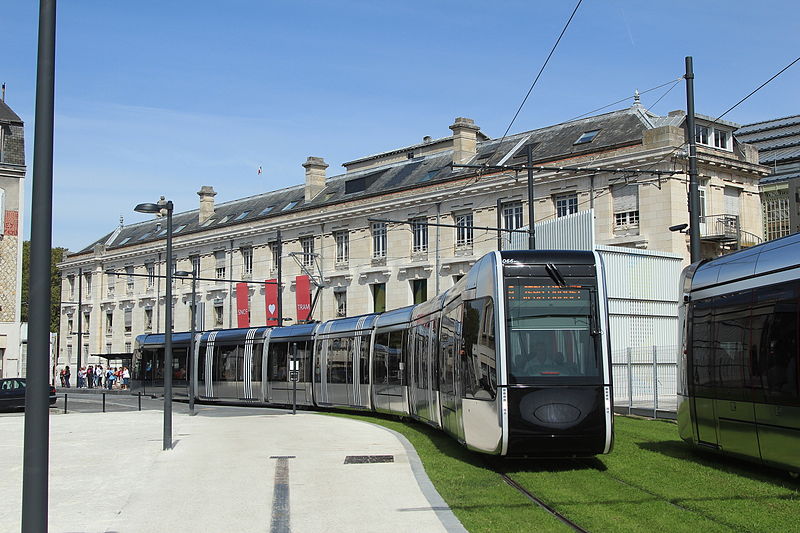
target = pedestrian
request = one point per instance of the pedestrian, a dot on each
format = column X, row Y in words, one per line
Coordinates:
column 61, row 377
column 90, row 376
column 110, row 378
column 98, row 374
column 81, row 377
column 66, row 376
column 126, row 378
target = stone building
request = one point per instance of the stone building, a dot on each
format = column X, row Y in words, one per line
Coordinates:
column 368, row 236
column 778, row 143
column 12, row 190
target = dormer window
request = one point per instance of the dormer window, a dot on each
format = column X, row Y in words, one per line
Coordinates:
column 289, row 206
column 266, row 210
column 587, row 137
column 712, row 136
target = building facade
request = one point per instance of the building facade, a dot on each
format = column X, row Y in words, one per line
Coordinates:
column 778, row 143
column 12, row 190
column 401, row 226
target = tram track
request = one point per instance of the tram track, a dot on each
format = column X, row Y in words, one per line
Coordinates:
column 541, row 503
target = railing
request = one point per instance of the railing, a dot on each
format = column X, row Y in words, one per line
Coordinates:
column 645, row 380
column 727, row 229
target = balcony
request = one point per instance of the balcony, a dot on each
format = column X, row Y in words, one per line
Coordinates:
column 726, row 232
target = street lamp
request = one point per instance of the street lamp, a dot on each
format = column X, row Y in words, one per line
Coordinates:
column 190, row 355
column 160, row 208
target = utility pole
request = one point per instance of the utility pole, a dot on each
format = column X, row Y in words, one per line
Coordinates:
column 694, row 188
column 280, row 280
column 36, row 444
column 531, row 228
column 80, row 312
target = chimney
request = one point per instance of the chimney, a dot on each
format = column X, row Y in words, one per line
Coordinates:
column 315, row 176
column 465, row 140
column 206, row 194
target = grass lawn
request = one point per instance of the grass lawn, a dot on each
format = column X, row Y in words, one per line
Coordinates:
column 650, row 481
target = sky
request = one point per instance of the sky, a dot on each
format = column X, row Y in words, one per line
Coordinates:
column 160, row 98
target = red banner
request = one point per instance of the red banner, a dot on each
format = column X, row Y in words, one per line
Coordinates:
column 242, row 306
column 271, row 295
column 303, row 298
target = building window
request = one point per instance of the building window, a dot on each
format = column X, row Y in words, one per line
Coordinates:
column 111, row 282
column 776, row 218
column 127, row 347
column 87, row 316
column 129, row 282
column 109, row 322
column 626, row 206
column 273, row 247
column 419, row 288
column 148, row 319
column 128, row 320
column 308, row 250
column 151, row 275
column 341, row 301
column 379, row 297
column 512, row 216
column 419, row 233
column 195, row 259
column 247, row 261
column 69, row 326
column 566, row 204
column 71, row 280
column 69, row 353
column 108, row 347
column 342, row 246
column 716, row 137
column 85, row 352
column 219, row 271
column 219, row 315
column 378, row 240
column 87, row 282
column 732, row 195
column 464, row 230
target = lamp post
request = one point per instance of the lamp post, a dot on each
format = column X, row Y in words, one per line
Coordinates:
column 190, row 355
column 159, row 208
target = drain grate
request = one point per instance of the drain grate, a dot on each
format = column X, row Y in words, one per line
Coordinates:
column 363, row 459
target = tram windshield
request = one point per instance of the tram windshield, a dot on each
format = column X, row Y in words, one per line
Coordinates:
column 551, row 329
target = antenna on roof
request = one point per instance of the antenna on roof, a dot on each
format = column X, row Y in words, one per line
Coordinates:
column 4, row 92
column 121, row 221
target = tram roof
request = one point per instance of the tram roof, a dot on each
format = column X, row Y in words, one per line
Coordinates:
column 395, row 317
column 157, row 339
column 767, row 257
column 295, row 330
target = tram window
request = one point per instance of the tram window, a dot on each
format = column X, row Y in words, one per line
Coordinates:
column 229, row 361
column 702, row 347
column 395, row 357
column 380, row 374
column 778, row 349
column 420, row 352
column 303, row 356
column 478, row 361
column 450, row 347
column 255, row 369
column 278, row 355
column 339, row 360
column 550, row 331
column 730, row 343
column 364, row 360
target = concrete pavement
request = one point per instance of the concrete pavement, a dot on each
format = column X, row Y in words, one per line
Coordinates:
column 229, row 470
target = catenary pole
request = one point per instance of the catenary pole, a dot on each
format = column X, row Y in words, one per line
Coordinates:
column 531, row 226
column 694, row 188
column 37, row 431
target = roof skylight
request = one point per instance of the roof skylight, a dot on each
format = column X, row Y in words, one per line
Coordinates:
column 290, row 205
column 587, row 137
column 241, row 215
column 266, row 210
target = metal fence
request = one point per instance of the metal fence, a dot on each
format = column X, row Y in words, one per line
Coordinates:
column 646, row 380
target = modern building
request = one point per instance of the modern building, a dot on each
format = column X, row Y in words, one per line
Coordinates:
column 778, row 143
column 400, row 226
column 12, row 190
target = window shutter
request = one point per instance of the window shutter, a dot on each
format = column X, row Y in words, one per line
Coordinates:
column 128, row 318
column 731, row 201
column 626, row 198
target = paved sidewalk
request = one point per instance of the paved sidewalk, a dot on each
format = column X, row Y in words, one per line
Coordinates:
column 109, row 474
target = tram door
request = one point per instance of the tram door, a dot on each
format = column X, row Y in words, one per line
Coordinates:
column 450, row 364
column 279, row 384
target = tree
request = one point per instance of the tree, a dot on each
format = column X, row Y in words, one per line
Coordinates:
column 55, row 284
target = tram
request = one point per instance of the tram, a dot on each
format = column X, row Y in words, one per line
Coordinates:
column 513, row 360
column 738, row 385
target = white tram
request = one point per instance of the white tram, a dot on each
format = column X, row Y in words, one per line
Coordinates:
column 512, row 360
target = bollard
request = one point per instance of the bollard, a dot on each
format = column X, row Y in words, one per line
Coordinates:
column 140, row 400
column 104, row 402
column 65, row 404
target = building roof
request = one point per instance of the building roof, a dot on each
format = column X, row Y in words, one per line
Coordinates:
column 554, row 143
column 777, row 140
column 7, row 115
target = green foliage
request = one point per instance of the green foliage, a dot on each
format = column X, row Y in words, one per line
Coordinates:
column 651, row 481
column 57, row 254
